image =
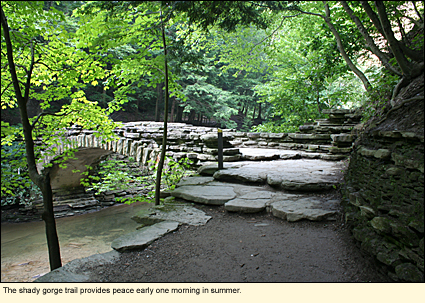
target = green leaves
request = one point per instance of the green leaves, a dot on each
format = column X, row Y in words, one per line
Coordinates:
column 16, row 186
column 113, row 174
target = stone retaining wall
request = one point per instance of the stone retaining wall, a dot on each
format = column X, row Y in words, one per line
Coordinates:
column 384, row 201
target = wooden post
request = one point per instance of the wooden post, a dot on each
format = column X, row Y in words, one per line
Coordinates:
column 220, row 149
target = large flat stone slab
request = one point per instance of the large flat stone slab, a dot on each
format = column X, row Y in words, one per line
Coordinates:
column 246, row 205
column 205, row 194
column 309, row 208
column 261, row 154
column 183, row 213
column 245, row 174
column 195, row 181
column 143, row 237
column 296, row 175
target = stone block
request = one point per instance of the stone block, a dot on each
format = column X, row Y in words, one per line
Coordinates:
column 401, row 160
column 366, row 152
column 306, row 128
column 409, row 272
column 253, row 135
column 239, row 134
column 296, row 136
column 356, row 199
column 367, row 211
column 250, row 143
column 382, row 154
column 342, row 138
column 132, row 135
column 340, row 150
column 381, row 224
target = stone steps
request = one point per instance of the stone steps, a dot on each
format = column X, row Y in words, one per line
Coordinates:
column 240, row 188
column 252, row 199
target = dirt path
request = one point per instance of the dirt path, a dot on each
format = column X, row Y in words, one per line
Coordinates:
column 234, row 247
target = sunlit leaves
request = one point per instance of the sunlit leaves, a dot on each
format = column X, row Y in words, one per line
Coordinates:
column 45, row 52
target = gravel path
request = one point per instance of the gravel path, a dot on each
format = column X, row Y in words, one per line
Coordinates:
column 234, row 247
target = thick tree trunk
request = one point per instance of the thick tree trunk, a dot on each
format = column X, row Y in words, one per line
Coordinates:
column 383, row 57
column 402, row 61
column 179, row 115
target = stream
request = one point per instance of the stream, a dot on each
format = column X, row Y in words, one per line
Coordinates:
column 24, row 255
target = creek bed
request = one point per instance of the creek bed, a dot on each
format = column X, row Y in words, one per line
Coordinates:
column 24, row 255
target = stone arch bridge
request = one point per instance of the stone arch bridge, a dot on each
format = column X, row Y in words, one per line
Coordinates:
column 327, row 139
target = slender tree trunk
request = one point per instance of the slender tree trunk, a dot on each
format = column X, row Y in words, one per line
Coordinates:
column 179, row 117
column 50, row 223
column 259, row 111
column 164, row 136
column 318, row 101
column 43, row 182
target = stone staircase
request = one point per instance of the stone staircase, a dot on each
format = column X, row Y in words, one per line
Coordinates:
column 326, row 139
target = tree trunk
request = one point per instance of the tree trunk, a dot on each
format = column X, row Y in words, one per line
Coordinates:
column 318, row 101
column 50, row 224
column 43, row 182
column 179, row 115
column 341, row 49
column 164, row 136
column 191, row 117
column 173, row 108
column 402, row 61
column 384, row 58
column 259, row 111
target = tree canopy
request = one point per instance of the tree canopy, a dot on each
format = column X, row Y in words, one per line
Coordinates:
column 251, row 65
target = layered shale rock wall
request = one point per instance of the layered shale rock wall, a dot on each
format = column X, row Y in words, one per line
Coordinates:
column 384, row 201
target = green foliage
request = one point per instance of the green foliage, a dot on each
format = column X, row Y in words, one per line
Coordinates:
column 308, row 76
column 50, row 68
column 172, row 173
column 16, row 185
column 377, row 99
column 276, row 127
column 113, row 174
